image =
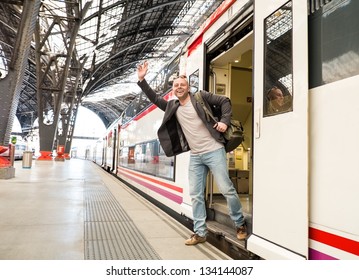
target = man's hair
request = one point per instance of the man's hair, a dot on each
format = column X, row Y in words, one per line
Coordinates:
column 181, row 77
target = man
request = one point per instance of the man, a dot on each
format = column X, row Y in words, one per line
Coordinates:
column 277, row 102
column 184, row 127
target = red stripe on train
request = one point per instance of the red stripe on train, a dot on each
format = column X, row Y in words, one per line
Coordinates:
column 336, row 241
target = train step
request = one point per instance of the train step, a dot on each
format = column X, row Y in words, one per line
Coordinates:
column 226, row 232
column 219, row 212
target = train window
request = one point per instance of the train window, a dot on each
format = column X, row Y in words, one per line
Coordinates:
column 143, row 103
column 166, row 165
column 333, row 42
column 131, row 156
column 194, row 81
column 130, row 112
column 148, row 157
column 278, row 62
column 124, row 156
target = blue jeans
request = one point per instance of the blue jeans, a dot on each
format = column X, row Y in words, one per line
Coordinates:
column 199, row 165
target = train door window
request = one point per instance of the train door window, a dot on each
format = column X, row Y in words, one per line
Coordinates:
column 109, row 139
column 131, row 157
column 278, row 62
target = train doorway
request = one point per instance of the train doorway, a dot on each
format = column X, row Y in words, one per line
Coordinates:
column 229, row 72
column 269, row 169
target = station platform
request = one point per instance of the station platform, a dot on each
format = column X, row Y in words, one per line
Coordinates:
column 74, row 210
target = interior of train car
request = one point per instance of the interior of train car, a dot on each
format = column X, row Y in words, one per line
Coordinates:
column 229, row 68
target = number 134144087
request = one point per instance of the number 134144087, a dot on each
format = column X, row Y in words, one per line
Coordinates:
column 246, row 270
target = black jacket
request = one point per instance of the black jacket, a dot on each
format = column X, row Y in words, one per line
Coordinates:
column 170, row 133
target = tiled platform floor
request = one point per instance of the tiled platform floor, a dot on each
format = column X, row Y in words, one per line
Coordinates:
column 44, row 215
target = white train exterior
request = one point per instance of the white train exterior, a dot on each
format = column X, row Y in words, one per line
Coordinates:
column 303, row 182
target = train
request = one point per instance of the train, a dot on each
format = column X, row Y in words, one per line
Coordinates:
column 20, row 148
column 296, row 172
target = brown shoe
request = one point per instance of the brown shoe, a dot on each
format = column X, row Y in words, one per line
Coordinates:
column 195, row 239
column 242, row 232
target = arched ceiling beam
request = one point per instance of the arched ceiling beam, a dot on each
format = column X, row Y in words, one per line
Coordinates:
column 118, row 68
column 104, row 9
column 87, row 91
column 118, row 3
column 134, row 33
column 103, row 111
column 117, row 25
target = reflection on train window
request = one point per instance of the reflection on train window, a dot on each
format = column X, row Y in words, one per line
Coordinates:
column 109, row 139
column 333, row 42
column 148, row 157
column 194, row 81
column 278, row 62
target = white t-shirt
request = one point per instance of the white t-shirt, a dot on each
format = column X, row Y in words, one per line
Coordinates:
column 198, row 137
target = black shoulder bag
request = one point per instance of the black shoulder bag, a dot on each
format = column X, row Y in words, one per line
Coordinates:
column 234, row 134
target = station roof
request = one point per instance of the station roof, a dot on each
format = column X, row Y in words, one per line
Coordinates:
column 114, row 36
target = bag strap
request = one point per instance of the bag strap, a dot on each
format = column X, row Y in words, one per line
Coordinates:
column 208, row 113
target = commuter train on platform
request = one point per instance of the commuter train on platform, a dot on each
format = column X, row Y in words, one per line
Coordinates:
column 296, row 172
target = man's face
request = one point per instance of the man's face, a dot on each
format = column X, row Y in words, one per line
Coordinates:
column 180, row 88
column 277, row 95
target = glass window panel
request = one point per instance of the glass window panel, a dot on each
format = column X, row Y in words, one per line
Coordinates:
column 333, row 42
column 149, row 158
column 278, row 62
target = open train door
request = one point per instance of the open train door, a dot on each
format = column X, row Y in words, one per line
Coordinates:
column 280, row 146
